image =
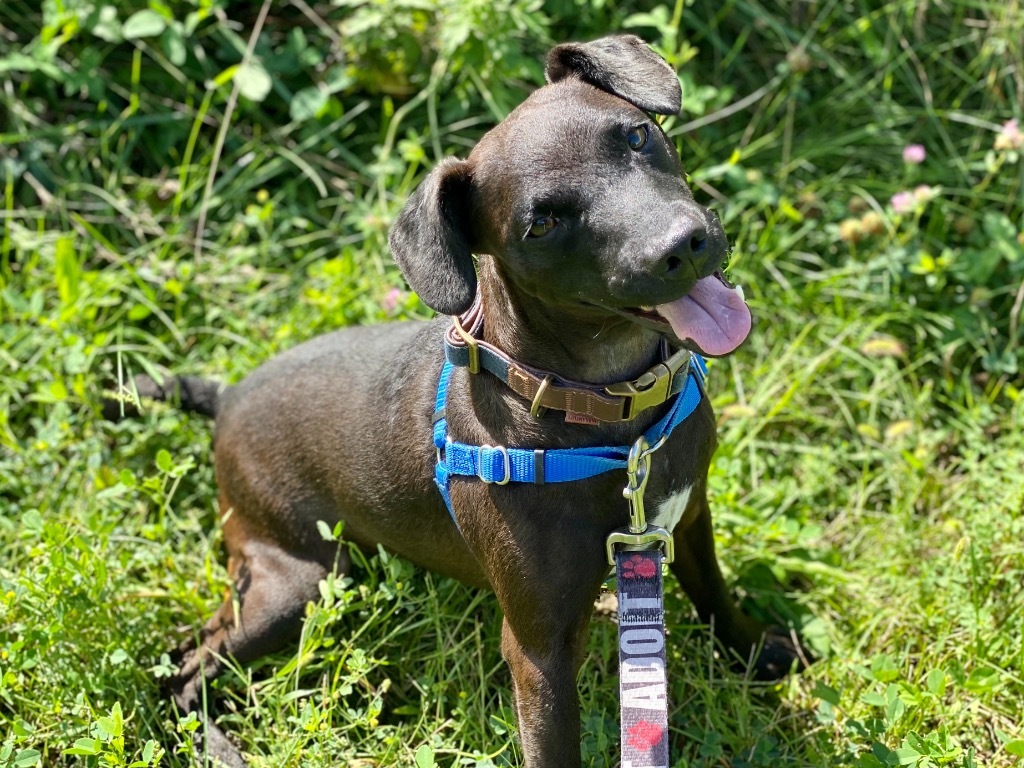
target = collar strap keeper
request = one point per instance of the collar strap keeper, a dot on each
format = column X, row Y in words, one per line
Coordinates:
column 472, row 349
column 621, row 401
column 536, row 409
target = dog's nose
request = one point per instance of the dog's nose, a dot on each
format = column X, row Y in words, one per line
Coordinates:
column 692, row 242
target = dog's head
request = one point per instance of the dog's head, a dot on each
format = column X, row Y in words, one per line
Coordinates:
column 579, row 196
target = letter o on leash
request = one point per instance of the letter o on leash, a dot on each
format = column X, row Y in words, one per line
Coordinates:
column 643, row 669
column 641, row 642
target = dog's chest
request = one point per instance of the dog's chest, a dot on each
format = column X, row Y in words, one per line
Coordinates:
column 669, row 512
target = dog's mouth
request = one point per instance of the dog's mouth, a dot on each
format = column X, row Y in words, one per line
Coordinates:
column 713, row 316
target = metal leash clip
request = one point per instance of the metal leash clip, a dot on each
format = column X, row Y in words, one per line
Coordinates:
column 639, row 535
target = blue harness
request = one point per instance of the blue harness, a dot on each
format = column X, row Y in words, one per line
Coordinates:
column 501, row 465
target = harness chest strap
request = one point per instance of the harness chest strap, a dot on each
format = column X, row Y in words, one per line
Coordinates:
column 501, row 465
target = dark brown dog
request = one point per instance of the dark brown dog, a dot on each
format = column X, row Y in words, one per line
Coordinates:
column 583, row 225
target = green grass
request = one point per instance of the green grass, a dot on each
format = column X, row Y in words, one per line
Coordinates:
column 868, row 487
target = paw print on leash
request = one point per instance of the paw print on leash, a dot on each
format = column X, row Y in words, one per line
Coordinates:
column 638, row 567
column 644, row 735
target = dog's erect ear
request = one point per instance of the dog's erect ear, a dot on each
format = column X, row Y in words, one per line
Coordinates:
column 431, row 240
column 622, row 65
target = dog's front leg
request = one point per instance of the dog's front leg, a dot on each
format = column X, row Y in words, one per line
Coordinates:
column 546, row 563
column 546, row 701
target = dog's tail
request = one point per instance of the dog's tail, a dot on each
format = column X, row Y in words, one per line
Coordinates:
column 190, row 393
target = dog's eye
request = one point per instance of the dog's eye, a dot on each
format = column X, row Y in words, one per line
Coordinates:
column 637, row 138
column 541, row 226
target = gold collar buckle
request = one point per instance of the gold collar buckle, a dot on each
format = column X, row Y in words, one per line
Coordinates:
column 652, row 388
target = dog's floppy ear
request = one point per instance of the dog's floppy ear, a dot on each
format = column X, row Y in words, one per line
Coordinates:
column 431, row 239
column 622, row 65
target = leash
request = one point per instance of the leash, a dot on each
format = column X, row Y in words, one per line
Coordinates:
column 638, row 551
column 643, row 688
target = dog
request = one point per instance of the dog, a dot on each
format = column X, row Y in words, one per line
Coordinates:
column 595, row 266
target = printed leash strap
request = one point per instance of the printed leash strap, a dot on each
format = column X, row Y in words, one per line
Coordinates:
column 642, row 681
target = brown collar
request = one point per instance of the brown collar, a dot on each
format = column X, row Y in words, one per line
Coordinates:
column 583, row 403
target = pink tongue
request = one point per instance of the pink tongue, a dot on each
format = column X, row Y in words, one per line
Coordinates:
column 712, row 315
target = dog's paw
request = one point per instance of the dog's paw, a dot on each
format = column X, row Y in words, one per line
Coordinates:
column 780, row 653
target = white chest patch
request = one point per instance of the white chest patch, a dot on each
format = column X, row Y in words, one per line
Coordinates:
column 670, row 511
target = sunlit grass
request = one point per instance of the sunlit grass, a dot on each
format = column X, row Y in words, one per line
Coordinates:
column 867, row 489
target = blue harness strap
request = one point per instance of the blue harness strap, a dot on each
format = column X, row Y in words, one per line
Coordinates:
column 501, row 465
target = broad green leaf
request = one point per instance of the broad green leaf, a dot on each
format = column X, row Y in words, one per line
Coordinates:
column 22, row 729
column 908, row 756
column 998, row 226
column 325, row 531
column 425, row 757
column 18, row 62
column 307, row 103
column 338, row 78
column 145, row 23
column 874, row 699
column 884, row 669
column 163, row 460
column 56, row 392
column 936, row 682
column 826, row 693
column 85, row 747
column 253, row 81
column 193, row 20
column 106, row 728
column 107, row 26
column 139, row 312
column 982, row 680
column 173, row 43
